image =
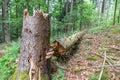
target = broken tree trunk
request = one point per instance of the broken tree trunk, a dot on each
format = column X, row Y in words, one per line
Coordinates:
column 35, row 43
column 64, row 44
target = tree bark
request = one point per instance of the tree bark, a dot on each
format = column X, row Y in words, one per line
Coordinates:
column 119, row 15
column 5, row 26
column 17, row 18
column 48, row 2
column 35, row 43
column 115, row 12
column 66, row 5
column 27, row 4
column 103, row 7
column 71, row 8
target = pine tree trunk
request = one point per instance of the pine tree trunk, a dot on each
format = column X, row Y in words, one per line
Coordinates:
column 71, row 7
column 115, row 13
column 119, row 16
column 48, row 2
column 35, row 43
column 66, row 4
column 103, row 7
column 5, row 16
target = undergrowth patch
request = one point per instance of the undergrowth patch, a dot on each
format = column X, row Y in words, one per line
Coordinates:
column 7, row 62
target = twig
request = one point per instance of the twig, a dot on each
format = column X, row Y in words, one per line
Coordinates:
column 107, row 60
column 102, row 67
column 116, row 48
column 115, row 65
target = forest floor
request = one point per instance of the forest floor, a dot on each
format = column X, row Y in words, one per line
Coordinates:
column 88, row 60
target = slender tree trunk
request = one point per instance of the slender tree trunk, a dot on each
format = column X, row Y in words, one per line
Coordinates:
column 103, row 7
column 5, row 26
column 27, row 4
column 81, row 24
column 16, row 18
column 48, row 2
column 35, row 43
column 39, row 6
column 60, row 6
column 108, row 8
column 119, row 16
column 66, row 3
column 115, row 12
column 71, row 8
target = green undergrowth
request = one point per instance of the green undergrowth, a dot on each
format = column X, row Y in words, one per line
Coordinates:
column 115, row 29
column 8, row 61
column 98, row 29
column 60, row 75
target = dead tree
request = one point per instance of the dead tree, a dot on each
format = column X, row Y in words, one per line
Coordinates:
column 61, row 46
column 35, row 43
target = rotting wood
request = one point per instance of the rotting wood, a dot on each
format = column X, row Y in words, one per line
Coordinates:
column 62, row 45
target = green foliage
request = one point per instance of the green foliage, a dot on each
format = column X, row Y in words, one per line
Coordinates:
column 7, row 62
column 59, row 76
column 83, row 15
column 115, row 30
column 94, row 77
column 13, row 77
column 98, row 29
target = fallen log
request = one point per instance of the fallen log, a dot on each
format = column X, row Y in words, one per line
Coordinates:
column 62, row 45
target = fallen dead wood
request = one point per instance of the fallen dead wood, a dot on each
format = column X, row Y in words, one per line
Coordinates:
column 102, row 68
column 62, row 45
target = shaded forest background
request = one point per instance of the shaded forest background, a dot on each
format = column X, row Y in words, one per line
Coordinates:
column 67, row 16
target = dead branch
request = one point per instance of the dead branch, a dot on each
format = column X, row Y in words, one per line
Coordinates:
column 102, row 67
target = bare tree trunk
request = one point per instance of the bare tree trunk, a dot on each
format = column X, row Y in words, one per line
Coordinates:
column 5, row 16
column 115, row 12
column 81, row 24
column 103, row 7
column 17, row 17
column 48, row 6
column 108, row 8
column 27, row 4
column 35, row 43
column 119, row 17
column 71, row 8
column 66, row 4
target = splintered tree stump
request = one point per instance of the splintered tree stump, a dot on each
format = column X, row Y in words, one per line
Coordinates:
column 35, row 43
column 62, row 45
